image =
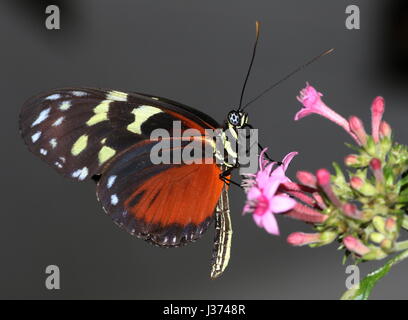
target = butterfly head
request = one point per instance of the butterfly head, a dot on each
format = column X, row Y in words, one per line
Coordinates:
column 237, row 119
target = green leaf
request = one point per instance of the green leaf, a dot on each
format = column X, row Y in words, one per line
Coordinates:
column 367, row 284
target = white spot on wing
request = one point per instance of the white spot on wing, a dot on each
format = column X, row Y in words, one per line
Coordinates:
column 111, row 181
column 79, row 93
column 53, row 96
column 81, row 174
column 114, row 199
column 41, row 117
column 58, row 122
column 36, row 136
column 53, row 143
column 43, row 152
column 59, row 165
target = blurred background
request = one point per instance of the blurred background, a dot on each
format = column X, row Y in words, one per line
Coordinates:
column 195, row 52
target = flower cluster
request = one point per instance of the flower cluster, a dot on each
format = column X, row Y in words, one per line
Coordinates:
column 364, row 209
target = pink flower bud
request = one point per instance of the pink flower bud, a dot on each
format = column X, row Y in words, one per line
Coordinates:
column 377, row 111
column 319, row 200
column 355, row 245
column 391, row 225
column 357, row 127
column 385, row 129
column 375, row 164
column 301, row 239
column 376, row 167
column 356, row 183
column 306, row 214
column 323, row 177
column 350, row 210
column 351, row 160
column 307, row 178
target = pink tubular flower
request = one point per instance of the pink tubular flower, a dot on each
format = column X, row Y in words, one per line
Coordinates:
column 312, row 103
column 357, row 127
column 301, row 238
column 263, row 198
column 377, row 111
column 355, row 245
column 307, row 178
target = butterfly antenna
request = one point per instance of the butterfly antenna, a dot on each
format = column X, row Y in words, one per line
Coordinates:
column 288, row 76
column 250, row 65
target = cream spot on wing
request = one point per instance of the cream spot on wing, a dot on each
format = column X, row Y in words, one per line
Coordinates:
column 114, row 199
column 41, row 117
column 58, row 122
column 100, row 113
column 53, row 96
column 103, row 141
column 79, row 145
column 111, row 181
column 105, row 154
column 142, row 114
column 53, row 143
column 36, row 136
column 117, row 95
column 154, row 98
column 81, row 174
column 65, row 105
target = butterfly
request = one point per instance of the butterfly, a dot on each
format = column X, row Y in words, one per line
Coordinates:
column 105, row 136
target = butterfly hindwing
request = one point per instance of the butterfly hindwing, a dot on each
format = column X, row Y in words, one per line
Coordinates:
column 167, row 204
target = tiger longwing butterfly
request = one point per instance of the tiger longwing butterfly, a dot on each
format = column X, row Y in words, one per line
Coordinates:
column 104, row 135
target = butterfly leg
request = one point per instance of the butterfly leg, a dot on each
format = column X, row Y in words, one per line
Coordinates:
column 224, row 177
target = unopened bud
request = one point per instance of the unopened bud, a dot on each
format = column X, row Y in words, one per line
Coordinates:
column 307, row 178
column 301, row 239
column 379, row 224
column 323, row 177
column 328, row 237
column 386, row 244
column 377, row 111
column 356, row 183
column 375, row 254
column 376, row 167
column 350, row 210
column 391, row 225
column 377, row 237
column 385, row 130
column 355, row 245
column 357, row 127
column 351, row 160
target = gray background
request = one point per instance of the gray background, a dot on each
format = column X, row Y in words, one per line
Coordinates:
column 195, row 52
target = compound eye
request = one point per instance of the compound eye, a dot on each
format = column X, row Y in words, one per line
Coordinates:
column 234, row 118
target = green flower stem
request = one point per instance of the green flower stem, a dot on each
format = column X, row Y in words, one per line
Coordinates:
column 367, row 284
